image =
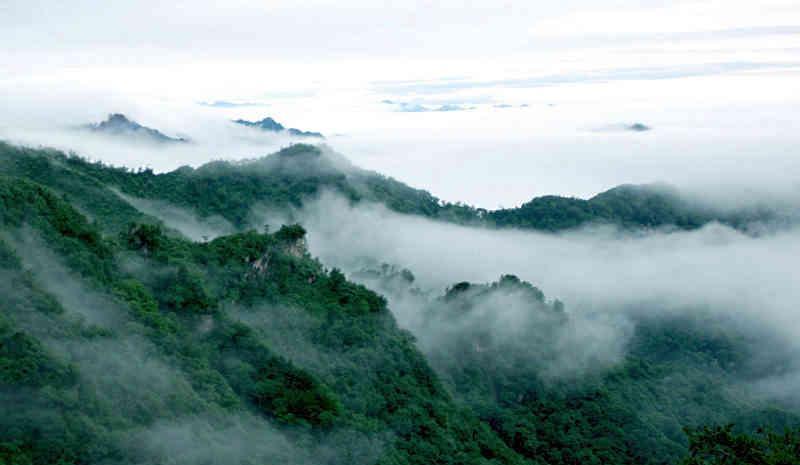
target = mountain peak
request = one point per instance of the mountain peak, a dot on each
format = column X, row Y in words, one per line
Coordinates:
column 269, row 124
column 118, row 117
column 117, row 124
column 638, row 127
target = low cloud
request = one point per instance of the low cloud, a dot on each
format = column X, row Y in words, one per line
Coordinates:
column 244, row 439
column 608, row 279
column 184, row 221
column 416, row 107
column 226, row 104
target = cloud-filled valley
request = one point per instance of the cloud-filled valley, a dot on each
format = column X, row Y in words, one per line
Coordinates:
column 461, row 233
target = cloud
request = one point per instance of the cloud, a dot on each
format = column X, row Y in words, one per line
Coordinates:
column 226, row 104
column 243, row 438
column 51, row 120
column 75, row 297
column 607, row 279
column 155, row 402
column 690, row 18
column 182, row 220
column 411, row 107
column 651, row 73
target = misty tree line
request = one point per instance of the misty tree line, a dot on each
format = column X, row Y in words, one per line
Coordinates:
column 178, row 306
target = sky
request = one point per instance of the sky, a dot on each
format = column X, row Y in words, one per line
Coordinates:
column 538, row 94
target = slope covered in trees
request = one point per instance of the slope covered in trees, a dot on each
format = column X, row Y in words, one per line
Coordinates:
column 142, row 328
column 520, row 363
column 295, row 174
column 123, row 341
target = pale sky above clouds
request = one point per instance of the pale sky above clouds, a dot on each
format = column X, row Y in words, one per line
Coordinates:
column 718, row 81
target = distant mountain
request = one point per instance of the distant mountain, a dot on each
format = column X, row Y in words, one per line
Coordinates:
column 226, row 104
column 413, row 107
column 269, row 124
column 638, row 127
column 630, row 206
column 118, row 124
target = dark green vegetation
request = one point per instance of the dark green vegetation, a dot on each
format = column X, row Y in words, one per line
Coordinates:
column 269, row 124
column 168, row 296
column 290, row 177
column 722, row 446
column 552, row 402
column 116, row 332
column 118, row 125
column 628, row 206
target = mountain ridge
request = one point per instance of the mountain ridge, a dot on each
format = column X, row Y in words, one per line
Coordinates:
column 269, row 124
column 118, row 125
column 248, row 329
column 294, row 174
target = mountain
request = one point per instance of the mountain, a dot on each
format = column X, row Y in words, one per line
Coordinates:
column 118, row 125
column 638, row 127
column 122, row 341
column 626, row 206
column 291, row 176
column 269, row 124
column 552, row 402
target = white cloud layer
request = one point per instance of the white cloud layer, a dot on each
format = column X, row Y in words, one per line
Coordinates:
column 717, row 82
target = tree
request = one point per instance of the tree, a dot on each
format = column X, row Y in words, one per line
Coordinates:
column 720, row 445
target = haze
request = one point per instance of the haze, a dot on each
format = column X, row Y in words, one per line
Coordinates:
column 539, row 94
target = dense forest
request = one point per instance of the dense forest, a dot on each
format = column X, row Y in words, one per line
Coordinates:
column 124, row 341
column 290, row 177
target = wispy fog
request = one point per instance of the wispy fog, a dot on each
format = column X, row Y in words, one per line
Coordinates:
column 740, row 136
column 606, row 278
column 244, row 438
column 164, row 417
column 56, row 117
column 180, row 219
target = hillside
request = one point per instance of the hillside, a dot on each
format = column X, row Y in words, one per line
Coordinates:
column 288, row 178
column 123, row 341
column 106, row 340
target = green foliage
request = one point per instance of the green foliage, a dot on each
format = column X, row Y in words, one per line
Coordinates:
column 146, row 237
column 273, row 384
column 676, row 372
column 627, row 206
column 26, row 203
column 23, row 361
column 291, row 176
column 290, row 233
column 184, row 291
column 176, row 290
column 720, row 445
column 250, row 323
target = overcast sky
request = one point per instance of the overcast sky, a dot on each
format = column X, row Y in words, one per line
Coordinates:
column 539, row 92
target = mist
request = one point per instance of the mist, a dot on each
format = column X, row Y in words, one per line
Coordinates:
column 180, row 219
column 607, row 278
column 163, row 415
column 244, row 438
column 738, row 142
column 55, row 119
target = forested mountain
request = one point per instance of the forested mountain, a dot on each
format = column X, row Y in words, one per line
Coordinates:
column 123, row 341
column 295, row 174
